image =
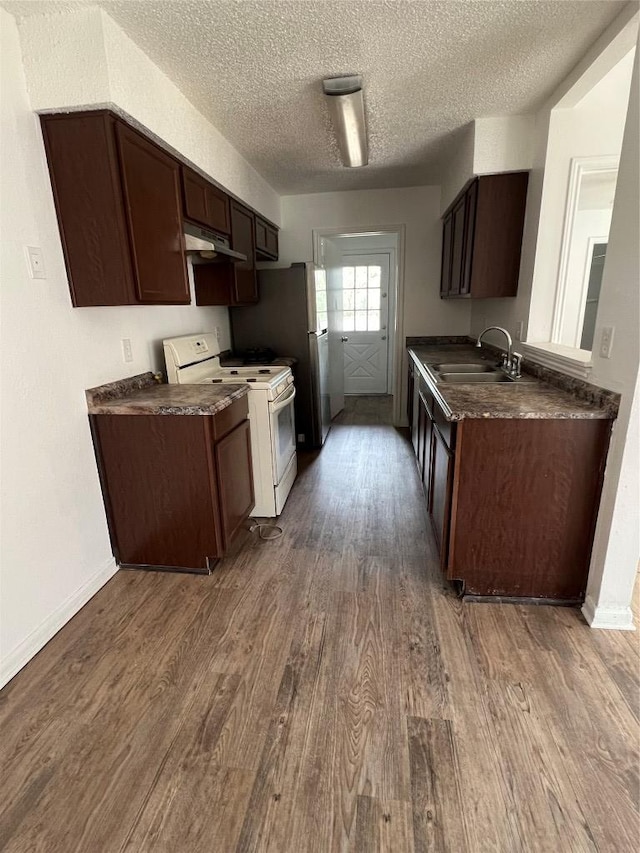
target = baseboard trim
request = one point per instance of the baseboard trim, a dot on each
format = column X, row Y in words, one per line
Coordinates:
column 37, row 639
column 608, row 618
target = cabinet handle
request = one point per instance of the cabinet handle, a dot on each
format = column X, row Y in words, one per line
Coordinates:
column 344, row 340
column 383, row 338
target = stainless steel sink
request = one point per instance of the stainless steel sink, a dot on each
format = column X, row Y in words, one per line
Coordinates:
column 475, row 378
column 464, row 368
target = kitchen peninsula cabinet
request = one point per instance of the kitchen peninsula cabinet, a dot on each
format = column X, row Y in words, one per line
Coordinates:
column 512, row 478
column 118, row 202
column 231, row 284
column 177, row 488
column 482, row 238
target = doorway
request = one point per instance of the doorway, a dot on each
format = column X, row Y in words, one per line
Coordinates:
column 364, row 290
column 365, row 320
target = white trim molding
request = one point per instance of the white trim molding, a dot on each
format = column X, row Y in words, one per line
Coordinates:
column 580, row 166
column 607, row 617
column 399, row 350
column 572, row 362
column 37, row 639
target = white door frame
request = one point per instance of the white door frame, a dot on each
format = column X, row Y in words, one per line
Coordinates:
column 398, row 320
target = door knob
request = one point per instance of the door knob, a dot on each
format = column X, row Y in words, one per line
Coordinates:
column 344, row 340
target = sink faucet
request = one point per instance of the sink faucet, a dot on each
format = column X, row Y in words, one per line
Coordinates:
column 512, row 360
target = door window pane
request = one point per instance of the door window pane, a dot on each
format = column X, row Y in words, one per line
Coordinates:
column 373, row 321
column 348, row 274
column 374, row 276
column 362, row 296
column 361, row 299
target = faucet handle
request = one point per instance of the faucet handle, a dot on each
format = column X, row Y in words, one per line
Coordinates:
column 516, row 361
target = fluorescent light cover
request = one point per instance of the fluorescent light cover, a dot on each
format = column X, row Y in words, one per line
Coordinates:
column 346, row 106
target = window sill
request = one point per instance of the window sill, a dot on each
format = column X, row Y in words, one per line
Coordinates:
column 572, row 362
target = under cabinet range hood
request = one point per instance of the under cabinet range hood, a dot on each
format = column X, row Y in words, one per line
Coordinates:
column 205, row 247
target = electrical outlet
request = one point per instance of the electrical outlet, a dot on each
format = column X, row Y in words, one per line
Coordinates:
column 519, row 330
column 216, row 332
column 127, row 350
column 606, row 342
column 35, row 262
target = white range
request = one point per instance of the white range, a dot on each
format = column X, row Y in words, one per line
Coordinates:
column 194, row 360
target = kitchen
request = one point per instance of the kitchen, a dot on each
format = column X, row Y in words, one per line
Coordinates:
column 52, row 412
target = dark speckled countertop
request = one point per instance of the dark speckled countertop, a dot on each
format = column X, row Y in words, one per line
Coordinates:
column 143, row 395
column 530, row 398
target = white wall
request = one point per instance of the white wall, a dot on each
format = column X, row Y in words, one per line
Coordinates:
column 503, row 144
column 457, row 169
column 55, row 548
column 617, row 542
column 587, row 225
column 83, row 58
column 418, row 209
column 593, row 128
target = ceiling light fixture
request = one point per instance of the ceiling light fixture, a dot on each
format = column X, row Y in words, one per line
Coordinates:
column 346, row 105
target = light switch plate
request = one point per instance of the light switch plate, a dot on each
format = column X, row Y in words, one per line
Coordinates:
column 519, row 329
column 127, row 350
column 606, row 341
column 35, row 262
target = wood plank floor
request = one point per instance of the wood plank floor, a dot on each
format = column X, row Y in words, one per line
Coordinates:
column 324, row 691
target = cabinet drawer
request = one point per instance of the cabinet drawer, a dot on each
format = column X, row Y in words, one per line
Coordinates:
column 427, row 397
column 445, row 427
column 229, row 418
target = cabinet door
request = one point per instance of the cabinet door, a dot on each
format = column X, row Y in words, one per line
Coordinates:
column 235, row 480
column 266, row 239
column 217, row 209
column 410, row 389
column 445, row 271
column 243, row 240
column 421, row 429
column 85, row 178
column 457, row 247
column 151, row 187
column 157, row 489
column 440, row 487
column 469, row 233
column 204, row 203
column 427, row 463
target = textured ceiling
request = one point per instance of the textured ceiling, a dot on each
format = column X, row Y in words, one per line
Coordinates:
column 254, row 69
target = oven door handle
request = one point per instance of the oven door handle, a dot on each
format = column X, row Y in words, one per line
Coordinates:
column 276, row 407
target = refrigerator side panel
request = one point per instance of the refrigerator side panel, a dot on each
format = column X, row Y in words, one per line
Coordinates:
column 279, row 321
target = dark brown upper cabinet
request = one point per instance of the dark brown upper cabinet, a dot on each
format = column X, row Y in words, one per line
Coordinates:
column 231, row 283
column 482, row 238
column 119, row 207
column 266, row 240
column 204, row 203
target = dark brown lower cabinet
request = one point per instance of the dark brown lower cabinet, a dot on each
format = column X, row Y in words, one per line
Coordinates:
column 439, row 493
column 512, row 501
column 177, row 488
